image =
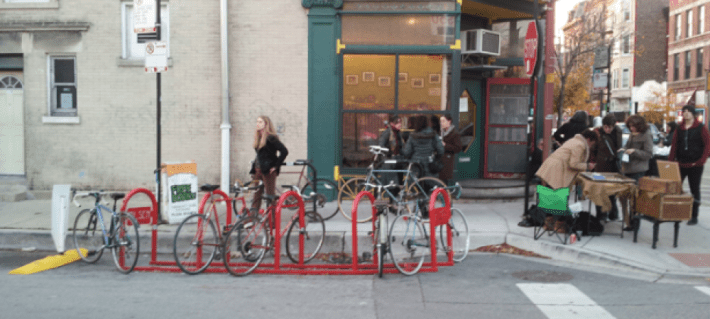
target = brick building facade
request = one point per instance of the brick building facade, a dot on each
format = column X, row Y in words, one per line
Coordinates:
column 688, row 44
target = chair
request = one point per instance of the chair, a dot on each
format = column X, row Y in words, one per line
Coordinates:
column 558, row 219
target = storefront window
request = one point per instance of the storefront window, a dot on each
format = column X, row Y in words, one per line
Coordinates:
column 394, row 6
column 513, row 34
column 423, row 83
column 369, row 85
column 368, row 82
column 467, row 119
column 414, row 29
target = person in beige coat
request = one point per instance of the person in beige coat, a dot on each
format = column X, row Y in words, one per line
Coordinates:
column 560, row 168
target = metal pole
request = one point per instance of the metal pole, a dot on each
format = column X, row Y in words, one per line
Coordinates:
column 531, row 107
column 157, row 116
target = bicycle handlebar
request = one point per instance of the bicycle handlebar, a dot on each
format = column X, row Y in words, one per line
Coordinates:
column 98, row 195
column 376, row 149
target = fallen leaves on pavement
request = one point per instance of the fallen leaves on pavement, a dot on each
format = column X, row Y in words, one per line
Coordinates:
column 508, row 249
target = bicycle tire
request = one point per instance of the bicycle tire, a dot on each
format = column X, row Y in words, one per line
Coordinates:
column 245, row 246
column 326, row 197
column 459, row 235
column 195, row 244
column 427, row 184
column 87, row 234
column 313, row 237
column 380, row 261
column 127, row 245
column 408, row 244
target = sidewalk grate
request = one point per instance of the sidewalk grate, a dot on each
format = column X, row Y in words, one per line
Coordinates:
column 693, row 260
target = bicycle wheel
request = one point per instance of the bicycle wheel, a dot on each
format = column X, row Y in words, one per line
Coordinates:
column 408, row 244
column 381, row 241
column 195, row 244
column 126, row 242
column 326, row 197
column 459, row 235
column 347, row 194
column 88, row 235
column 313, row 236
column 424, row 186
column 245, row 246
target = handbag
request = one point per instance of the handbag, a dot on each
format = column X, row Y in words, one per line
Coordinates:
column 435, row 165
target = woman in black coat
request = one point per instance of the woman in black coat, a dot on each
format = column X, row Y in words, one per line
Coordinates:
column 267, row 164
column 451, row 140
column 577, row 124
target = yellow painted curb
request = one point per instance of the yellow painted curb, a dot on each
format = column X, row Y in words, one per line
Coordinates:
column 49, row 262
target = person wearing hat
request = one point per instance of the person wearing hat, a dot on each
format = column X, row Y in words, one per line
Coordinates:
column 690, row 148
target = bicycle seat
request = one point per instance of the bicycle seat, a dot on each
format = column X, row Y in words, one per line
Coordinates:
column 208, row 187
column 117, row 196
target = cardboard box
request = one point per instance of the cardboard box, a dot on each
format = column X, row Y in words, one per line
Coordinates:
column 665, row 207
column 660, row 185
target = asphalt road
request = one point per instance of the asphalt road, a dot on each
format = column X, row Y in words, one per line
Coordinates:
column 483, row 286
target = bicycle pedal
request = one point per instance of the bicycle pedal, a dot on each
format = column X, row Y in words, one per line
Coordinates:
column 235, row 255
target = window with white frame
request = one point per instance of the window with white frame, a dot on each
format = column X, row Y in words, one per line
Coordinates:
column 625, row 78
column 699, row 63
column 689, row 25
column 687, row 65
column 626, row 44
column 676, row 66
column 132, row 50
column 62, row 85
column 701, row 19
column 678, row 23
column 627, row 11
column 615, row 80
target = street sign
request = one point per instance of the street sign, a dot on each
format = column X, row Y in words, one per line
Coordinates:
column 144, row 16
column 601, row 57
column 600, row 81
column 156, row 59
column 530, row 54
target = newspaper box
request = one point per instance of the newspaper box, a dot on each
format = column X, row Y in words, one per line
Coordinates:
column 179, row 196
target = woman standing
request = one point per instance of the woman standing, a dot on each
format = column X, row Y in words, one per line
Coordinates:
column 577, row 124
column 452, row 144
column 267, row 164
column 391, row 137
column 691, row 148
column 422, row 144
column 639, row 149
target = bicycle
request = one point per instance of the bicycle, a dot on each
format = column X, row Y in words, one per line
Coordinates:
column 197, row 242
column 120, row 235
column 412, row 183
column 380, row 239
column 248, row 240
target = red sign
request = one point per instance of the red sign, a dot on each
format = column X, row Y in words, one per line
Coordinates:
column 530, row 55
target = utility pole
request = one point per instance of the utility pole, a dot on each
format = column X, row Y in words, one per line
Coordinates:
column 157, row 116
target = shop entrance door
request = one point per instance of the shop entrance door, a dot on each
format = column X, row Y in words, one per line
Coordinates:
column 12, row 130
column 470, row 126
column 506, row 124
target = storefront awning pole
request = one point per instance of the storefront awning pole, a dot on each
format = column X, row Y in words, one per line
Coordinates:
column 531, row 114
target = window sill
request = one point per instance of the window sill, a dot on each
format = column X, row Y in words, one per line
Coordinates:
column 61, row 119
column 52, row 4
column 128, row 63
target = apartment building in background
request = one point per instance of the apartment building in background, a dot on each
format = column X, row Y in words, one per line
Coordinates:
column 688, row 51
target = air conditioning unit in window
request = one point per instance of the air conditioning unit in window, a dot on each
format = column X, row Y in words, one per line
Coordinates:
column 480, row 41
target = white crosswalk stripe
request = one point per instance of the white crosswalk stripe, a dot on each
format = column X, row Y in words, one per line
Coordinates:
column 704, row 289
column 563, row 301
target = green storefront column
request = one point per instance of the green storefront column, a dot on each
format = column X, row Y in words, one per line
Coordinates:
column 323, row 85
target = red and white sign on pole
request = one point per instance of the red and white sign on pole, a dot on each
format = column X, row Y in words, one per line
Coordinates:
column 156, row 58
column 530, row 55
column 144, row 16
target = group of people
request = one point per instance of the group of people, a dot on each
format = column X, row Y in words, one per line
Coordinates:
column 431, row 139
column 422, row 146
column 583, row 149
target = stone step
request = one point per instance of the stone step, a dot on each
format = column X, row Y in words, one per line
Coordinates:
column 494, row 189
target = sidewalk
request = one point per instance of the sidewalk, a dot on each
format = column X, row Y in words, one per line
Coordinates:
column 27, row 224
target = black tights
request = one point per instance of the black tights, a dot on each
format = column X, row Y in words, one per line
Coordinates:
column 694, row 175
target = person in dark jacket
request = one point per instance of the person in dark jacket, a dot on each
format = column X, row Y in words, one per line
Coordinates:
column 267, row 164
column 451, row 140
column 691, row 148
column 605, row 157
column 422, row 144
column 577, row 124
column 669, row 136
column 391, row 137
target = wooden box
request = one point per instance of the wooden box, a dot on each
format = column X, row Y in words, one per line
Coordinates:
column 660, row 185
column 664, row 207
